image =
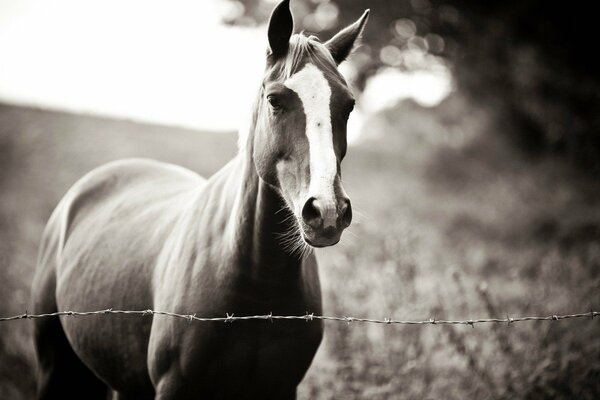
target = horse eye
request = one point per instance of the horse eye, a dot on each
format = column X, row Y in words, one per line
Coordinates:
column 274, row 102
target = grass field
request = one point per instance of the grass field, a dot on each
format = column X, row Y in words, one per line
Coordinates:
column 451, row 222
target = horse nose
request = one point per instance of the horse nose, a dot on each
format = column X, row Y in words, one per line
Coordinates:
column 320, row 214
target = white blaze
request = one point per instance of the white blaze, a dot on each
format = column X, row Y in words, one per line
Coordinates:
column 314, row 92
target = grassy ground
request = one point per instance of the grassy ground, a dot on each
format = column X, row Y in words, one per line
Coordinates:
column 451, row 223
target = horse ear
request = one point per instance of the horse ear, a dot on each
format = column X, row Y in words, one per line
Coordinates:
column 281, row 25
column 340, row 46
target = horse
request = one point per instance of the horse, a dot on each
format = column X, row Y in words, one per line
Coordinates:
column 141, row 234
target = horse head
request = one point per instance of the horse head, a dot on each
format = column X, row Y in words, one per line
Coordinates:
column 300, row 125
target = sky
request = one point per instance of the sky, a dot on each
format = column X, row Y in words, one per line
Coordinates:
column 167, row 62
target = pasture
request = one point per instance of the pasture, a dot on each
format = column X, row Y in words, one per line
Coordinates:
column 450, row 222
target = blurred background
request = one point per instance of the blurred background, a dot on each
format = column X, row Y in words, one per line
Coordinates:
column 474, row 165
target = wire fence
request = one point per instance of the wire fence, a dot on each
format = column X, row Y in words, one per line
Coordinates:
column 306, row 317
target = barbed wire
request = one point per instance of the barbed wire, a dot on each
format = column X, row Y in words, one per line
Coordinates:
column 306, row 317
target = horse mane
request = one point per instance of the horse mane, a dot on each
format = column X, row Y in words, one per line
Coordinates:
column 301, row 48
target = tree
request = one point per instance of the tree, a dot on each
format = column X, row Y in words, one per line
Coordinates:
column 533, row 62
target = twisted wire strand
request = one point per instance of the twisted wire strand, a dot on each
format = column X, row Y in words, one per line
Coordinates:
column 306, row 317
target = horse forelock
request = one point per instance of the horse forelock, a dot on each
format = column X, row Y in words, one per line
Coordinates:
column 304, row 49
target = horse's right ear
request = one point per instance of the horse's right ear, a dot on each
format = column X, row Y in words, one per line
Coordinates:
column 281, row 25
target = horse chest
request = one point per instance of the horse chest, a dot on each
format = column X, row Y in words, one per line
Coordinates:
column 261, row 346
column 248, row 355
column 252, row 357
column 265, row 349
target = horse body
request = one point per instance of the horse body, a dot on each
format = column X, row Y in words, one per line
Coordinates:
column 105, row 246
column 140, row 234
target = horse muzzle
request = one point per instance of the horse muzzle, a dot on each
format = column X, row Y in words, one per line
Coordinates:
column 324, row 220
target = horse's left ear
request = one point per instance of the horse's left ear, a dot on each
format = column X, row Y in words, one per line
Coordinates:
column 340, row 46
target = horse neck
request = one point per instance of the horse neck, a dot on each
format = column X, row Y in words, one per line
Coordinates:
column 261, row 220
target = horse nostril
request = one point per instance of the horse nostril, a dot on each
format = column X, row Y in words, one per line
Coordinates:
column 311, row 214
column 346, row 213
